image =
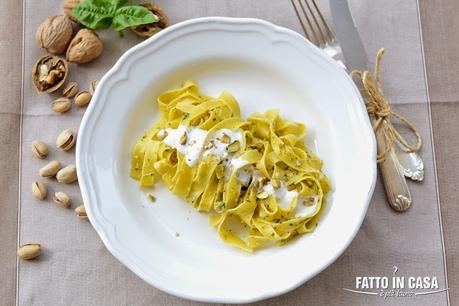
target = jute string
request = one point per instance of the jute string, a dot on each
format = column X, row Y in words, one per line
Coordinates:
column 379, row 108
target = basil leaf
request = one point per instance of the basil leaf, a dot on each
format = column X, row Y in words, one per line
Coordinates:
column 95, row 14
column 118, row 3
column 129, row 16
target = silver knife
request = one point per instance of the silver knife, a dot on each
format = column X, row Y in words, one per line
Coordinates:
column 355, row 58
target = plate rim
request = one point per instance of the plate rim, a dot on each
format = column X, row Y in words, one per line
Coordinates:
column 111, row 244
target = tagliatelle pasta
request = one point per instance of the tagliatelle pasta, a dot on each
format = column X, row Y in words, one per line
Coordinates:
column 255, row 177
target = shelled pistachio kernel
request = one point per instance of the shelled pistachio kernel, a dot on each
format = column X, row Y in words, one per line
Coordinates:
column 29, row 251
column 39, row 190
column 61, row 105
column 61, row 199
column 50, row 169
column 83, row 98
column 276, row 183
column 262, row 195
column 40, row 149
column 81, row 212
column 70, row 90
column 67, row 174
column 234, row 147
column 65, row 140
column 183, row 138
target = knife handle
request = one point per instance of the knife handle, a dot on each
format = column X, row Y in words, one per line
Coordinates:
column 397, row 191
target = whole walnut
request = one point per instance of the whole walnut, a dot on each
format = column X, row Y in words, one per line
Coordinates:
column 68, row 6
column 84, row 47
column 54, row 34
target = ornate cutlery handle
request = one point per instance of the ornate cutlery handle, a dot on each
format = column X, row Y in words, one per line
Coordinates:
column 397, row 191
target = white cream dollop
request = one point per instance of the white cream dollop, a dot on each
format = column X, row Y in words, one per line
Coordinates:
column 283, row 196
column 218, row 147
column 192, row 148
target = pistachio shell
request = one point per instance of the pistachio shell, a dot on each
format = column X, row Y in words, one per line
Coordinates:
column 67, row 174
column 83, row 98
column 39, row 149
column 39, row 190
column 61, row 199
column 29, row 251
column 61, row 105
column 70, row 90
column 50, row 169
column 65, row 140
column 81, row 212
column 92, row 87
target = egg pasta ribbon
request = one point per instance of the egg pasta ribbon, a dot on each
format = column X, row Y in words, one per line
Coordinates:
column 255, row 177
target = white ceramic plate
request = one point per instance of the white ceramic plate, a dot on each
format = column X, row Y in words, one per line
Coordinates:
column 167, row 243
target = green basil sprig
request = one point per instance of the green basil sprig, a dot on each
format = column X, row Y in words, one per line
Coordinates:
column 101, row 14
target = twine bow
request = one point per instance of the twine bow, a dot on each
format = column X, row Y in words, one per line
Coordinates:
column 379, row 108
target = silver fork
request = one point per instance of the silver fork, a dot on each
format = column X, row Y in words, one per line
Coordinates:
column 398, row 163
column 316, row 29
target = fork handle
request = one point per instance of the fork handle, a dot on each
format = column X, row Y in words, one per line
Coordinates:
column 397, row 191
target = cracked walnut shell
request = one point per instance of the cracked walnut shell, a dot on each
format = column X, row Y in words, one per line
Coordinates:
column 54, row 34
column 49, row 73
column 147, row 30
column 84, row 47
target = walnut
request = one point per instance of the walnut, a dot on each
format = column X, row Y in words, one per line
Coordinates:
column 147, row 30
column 54, row 34
column 49, row 73
column 68, row 6
column 84, row 47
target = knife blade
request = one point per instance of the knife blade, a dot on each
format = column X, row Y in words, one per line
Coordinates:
column 348, row 36
column 355, row 58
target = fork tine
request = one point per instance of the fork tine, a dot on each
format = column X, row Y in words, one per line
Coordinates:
column 327, row 28
column 313, row 23
column 306, row 33
column 322, row 40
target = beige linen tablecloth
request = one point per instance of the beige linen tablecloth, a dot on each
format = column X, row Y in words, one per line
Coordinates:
column 420, row 72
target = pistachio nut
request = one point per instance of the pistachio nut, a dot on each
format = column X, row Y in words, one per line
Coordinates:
column 61, row 199
column 39, row 190
column 234, row 147
column 70, row 90
column 83, row 98
column 29, row 251
column 92, row 86
column 224, row 138
column 50, row 169
column 39, row 149
column 183, row 138
column 65, row 140
column 61, row 105
column 276, row 183
column 67, row 174
column 81, row 212
column 262, row 195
